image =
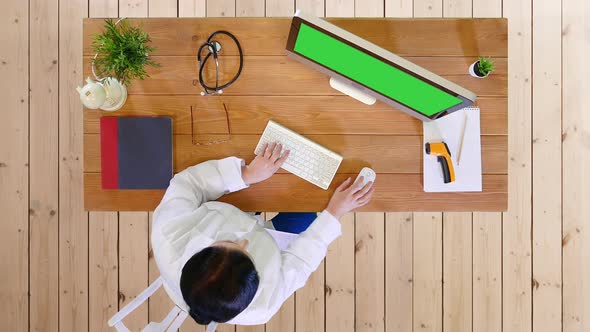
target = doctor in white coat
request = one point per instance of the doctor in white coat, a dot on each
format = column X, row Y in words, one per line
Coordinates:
column 220, row 264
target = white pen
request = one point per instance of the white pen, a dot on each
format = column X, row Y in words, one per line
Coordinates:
column 462, row 137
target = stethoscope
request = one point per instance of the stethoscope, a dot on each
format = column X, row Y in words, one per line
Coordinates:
column 214, row 48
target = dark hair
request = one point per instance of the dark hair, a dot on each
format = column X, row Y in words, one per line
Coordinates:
column 218, row 283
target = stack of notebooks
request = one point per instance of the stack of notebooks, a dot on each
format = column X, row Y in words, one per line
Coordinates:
column 136, row 152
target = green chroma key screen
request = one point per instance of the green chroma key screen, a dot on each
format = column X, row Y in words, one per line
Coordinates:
column 371, row 72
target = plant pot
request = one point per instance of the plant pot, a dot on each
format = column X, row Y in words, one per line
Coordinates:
column 116, row 96
column 474, row 71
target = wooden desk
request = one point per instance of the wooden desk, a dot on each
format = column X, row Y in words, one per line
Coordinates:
column 273, row 86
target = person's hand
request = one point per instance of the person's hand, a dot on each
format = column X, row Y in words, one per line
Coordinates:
column 349, row 196
column 265, row 165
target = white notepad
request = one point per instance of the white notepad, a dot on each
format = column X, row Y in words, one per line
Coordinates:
column 468, row 171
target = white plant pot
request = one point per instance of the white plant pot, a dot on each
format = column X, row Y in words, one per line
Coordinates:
column 108, row 94
column 116, row 96
column 472, row 71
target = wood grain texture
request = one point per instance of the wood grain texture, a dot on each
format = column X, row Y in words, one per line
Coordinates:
column 485, row 8
column 396, row 192
column 424, row 38
column 399, row 8
column 133, row 8
column 73, row 221
column 192, row 8
column 14, row 161
column 309, row 303
column 457, row 271
column 43, row 167
column 250, row 328
column 360, row 151
column 487, row 272
column 369, row 8
column 398, row 271
column 163, row 8
column 284, row 319
column 103, row 237
column 428, row 274
column 223, row 328
column 399, row 239
column 190, row 325
column 516, row 248
column 278, row 8
column 339, row 8
column 370, row 273
column 177, row 75
column 428, row 240
column 370, row 239
column 159, row 304
column 428, row 8
column 221, row 8
column 487, row 239
column 304, row 114
column 340, row 279
column 250, row 8
column 103, row 269
column 457, row 239
column 133, row 227
column 546, row 146
column 515, row 300
column 133, row 265
column 576, row 162
column 457, row 8
column 311, row 7
column 103, row 8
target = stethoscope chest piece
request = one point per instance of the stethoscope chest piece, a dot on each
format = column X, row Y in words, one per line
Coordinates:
column 217, row 47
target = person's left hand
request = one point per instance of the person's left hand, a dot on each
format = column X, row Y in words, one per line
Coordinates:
column 264, row 165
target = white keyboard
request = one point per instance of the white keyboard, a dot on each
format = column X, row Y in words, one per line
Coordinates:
column 307, row 159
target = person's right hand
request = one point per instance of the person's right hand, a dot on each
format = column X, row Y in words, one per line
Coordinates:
column 265, row 164
column 349, row 196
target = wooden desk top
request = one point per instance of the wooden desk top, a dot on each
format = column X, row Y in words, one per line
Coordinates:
column 273, row 86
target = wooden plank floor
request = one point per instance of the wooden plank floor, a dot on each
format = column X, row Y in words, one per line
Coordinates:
column 528, row 269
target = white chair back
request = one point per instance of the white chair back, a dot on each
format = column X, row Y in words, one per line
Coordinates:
column 171, row 322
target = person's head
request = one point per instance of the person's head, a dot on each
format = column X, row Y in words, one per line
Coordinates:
column 219, row 282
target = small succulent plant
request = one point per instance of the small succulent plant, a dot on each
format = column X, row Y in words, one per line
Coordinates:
column 485, row 66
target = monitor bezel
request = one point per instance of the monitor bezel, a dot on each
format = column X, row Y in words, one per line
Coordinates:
column 294, row 31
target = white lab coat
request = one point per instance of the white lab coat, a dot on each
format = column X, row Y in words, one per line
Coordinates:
column 188, row 219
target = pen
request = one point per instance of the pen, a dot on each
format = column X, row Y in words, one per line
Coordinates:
column 462, row 137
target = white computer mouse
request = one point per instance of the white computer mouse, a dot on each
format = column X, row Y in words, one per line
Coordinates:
column 368, row 175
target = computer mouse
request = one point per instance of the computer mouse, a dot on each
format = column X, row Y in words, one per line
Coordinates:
column 368, row 175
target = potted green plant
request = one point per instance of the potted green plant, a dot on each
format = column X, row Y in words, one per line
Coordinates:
column 123, row 52
column 482, row 67
column 122, row 55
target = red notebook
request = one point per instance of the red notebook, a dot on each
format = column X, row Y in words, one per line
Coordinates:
column 136, row 152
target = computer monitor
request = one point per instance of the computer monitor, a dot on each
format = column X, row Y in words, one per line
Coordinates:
column 368, row 72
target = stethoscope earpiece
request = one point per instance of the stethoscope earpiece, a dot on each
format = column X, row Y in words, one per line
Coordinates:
column 216, row 92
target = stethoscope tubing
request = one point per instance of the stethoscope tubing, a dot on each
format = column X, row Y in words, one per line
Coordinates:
column 210, row 44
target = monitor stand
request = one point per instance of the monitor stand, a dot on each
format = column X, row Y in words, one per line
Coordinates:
column 348, row 89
